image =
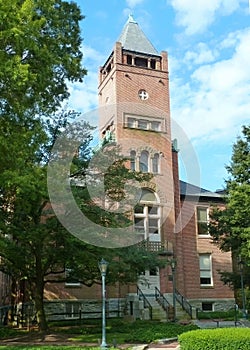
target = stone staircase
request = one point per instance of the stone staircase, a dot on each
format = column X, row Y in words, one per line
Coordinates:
column 180, row 313
column 158, row 313
column 158, row 307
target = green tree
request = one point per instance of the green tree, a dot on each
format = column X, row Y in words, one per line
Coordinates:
column 34, row 246
column 230, row 227
column 40, row 52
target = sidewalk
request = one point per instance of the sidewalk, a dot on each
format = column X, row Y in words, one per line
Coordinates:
column 173, row 345
column 161, row 345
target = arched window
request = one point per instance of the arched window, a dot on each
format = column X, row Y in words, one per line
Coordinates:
column 155, row 163
column 144, row 161
column 133, row 160
column 147, row 218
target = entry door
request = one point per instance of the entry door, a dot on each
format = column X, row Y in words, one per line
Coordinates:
column 148, row 281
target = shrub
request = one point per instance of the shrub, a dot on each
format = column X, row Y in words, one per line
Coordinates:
column 6, row 332
column 149, row 331
column 214, row 339
column 226, row 315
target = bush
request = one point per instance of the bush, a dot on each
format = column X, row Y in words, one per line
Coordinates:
column 225, row 315
column 6, row 332
column 214, row 339
column 147, row 332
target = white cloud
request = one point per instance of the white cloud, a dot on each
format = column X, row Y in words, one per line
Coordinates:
column 196, row 16
column 83, row 96
column 201, row 54
column 215, row 102
column 133, row 3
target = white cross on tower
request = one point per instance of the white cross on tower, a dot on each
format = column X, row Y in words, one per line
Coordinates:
column 143, row 95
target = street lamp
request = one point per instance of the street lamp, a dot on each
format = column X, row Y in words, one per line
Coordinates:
column 241, row 268
column 173, row 267
column 103, row 265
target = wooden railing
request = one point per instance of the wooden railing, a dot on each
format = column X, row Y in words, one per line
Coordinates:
column 159, row 297
column 146, row 303
column 184, row 303
column 163, row 247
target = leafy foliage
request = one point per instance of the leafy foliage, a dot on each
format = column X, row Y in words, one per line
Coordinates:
column 213, row 339
column 40, row 52
column 230, row 227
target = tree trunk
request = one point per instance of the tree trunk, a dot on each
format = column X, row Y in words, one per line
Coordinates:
column 38, row 293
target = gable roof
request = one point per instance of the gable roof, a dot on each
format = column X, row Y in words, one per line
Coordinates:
column 133, row 39
column 187, row 189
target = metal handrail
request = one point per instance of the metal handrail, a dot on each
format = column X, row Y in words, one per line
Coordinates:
column 159, row 297
column 146, row 303
column 184, row 303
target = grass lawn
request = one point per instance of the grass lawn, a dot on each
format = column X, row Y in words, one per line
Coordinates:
column 118, row 331
column 45, row 347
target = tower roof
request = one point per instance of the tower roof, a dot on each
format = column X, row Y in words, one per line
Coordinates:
column 132, row 38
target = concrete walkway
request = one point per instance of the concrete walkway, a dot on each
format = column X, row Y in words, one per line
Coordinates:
column 171, row 344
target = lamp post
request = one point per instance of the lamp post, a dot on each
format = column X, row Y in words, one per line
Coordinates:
column 241, row 268
column 103, row 265
column 173, row 267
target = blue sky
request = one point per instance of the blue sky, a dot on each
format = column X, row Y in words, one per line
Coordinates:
column 208, row 43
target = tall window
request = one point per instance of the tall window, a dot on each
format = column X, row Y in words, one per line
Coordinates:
column 202, row 220
column 155, row 163
column 144, row 161
column 147, row 216
column 133, row 160
column 206, row 270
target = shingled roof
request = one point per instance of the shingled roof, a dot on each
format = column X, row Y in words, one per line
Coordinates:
column 187, row 189
column 133, row 39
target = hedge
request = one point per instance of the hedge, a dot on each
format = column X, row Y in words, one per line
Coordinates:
column 216, row 339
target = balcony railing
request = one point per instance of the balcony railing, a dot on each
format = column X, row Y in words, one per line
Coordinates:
column 163, row 247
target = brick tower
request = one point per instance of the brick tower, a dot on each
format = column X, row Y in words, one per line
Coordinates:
column 134, row 111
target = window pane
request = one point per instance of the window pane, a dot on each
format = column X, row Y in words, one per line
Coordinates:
column 152, row 210
column 144, row 161
column 142, row 124
column 205, row 274
column 155, row 126
column 155, row 163
column 202, row 214
column 131, row 122
column 202, row 228
column 204, row 261
column 139, row 225
column 148, row 196
column 153, row 226
column 207, row 306
column 132, row 160
column 205, row 280
column 139, row 209
column 202, row 221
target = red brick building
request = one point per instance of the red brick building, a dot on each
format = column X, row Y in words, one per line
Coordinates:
column 135, row 113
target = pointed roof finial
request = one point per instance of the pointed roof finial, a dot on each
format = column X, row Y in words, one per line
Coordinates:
column 131, row 19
